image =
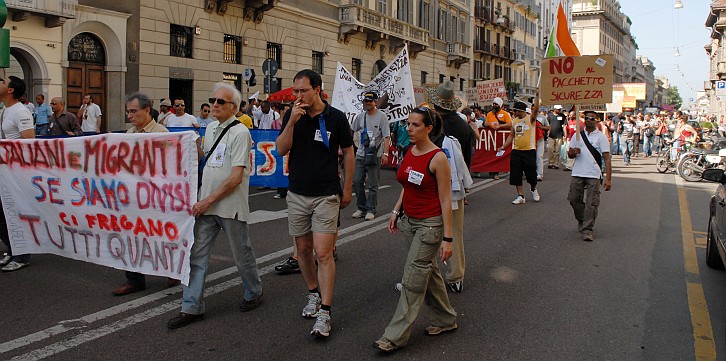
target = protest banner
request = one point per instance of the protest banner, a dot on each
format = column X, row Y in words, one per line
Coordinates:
column 484, row 158
column 393, row 84
column 267, row 167
column 577, row 80
column 489, row 89
column 118, row 200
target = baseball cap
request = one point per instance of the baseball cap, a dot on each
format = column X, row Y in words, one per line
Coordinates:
column 370, row 96
column 498, row 101
column 558, row 107
column 166, row 102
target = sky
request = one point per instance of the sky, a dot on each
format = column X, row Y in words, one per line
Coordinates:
column 658, row 29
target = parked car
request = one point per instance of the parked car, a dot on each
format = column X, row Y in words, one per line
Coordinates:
column 715, row 244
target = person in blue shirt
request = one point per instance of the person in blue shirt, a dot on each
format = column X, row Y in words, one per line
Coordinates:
column 203, row 119
column 41, row 114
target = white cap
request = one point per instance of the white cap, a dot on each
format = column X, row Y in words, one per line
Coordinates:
column 498, row 101
column 529, row 110
column 254, row 96
column 558, row 107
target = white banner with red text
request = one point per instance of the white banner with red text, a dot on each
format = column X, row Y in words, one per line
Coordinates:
column 118, row 200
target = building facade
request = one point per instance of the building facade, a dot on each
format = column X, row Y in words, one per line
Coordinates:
column 187, row 46
column 716, row 50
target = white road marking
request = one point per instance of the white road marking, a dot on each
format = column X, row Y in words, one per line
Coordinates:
column 83, row 322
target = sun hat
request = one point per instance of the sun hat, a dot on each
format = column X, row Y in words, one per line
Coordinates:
column 443, row 96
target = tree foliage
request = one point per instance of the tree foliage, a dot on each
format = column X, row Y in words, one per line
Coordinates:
column 673, row 97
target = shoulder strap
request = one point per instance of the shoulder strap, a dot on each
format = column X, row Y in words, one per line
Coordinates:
column 593, row 151
column 214, row 146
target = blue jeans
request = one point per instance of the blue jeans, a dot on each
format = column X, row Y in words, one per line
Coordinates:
column 206, row 229
column 615, row 146
column 41, row 129
column 366, row 174
column 648, row 145
column 627, row 147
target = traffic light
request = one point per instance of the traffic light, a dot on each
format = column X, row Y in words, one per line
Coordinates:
column 252, row 81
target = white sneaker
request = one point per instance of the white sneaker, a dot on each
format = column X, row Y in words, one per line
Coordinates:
column 358, row 214
column 370, row 216
column 535, row 195
column 14, row 266
column 322, row 324
column 399, row 287
column 539, row 177
column 312, row 307
column 519, row 200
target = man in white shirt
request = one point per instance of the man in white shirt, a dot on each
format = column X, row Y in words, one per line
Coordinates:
column 266, row 117
column 180, row 118
column 223, row 205
column 584, row 195
column 164, row 111
column 16, row 122
column 90, row 115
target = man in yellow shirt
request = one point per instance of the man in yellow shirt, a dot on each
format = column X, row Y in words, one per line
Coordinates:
column 524, row 154
column 243, row 117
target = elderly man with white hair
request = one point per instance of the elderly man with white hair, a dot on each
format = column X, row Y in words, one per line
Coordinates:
column 222, row 204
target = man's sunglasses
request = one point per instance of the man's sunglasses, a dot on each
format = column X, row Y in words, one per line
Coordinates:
column 592, row 118
column 219, row 101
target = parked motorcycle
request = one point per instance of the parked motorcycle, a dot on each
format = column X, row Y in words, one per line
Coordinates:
column 692, row 163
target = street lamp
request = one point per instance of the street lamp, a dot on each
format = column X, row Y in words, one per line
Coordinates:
column 678, row 5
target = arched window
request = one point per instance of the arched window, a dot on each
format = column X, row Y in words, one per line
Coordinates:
column 86, row 48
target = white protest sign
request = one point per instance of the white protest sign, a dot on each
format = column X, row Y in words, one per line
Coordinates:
column 393, row 85
column 118, row 200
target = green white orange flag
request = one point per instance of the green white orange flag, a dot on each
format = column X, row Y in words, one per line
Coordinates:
column 560, row 42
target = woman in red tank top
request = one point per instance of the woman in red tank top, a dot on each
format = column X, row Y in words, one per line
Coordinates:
column 426, row 225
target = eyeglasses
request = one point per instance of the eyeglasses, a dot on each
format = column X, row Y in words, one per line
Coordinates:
column 205, row 111
column 131, row 111
column 51, row 103
column 299, row 91
column 179, row 105
column 218, row 101
column 591, row 118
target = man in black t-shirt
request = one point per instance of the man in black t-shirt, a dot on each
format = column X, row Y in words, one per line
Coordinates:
column 312, row 131
column 557, row 120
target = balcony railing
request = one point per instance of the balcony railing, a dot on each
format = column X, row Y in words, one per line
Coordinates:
column 458, row 49
column 483, row 12
column 458, row 53
column 354, row 18
column 482, row 47
column 495, row 49
column 63, row 8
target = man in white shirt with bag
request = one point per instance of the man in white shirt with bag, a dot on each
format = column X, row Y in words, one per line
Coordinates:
column 588, row 149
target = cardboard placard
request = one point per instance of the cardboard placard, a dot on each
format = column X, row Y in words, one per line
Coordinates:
column 490, row 89
column 577, row 80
